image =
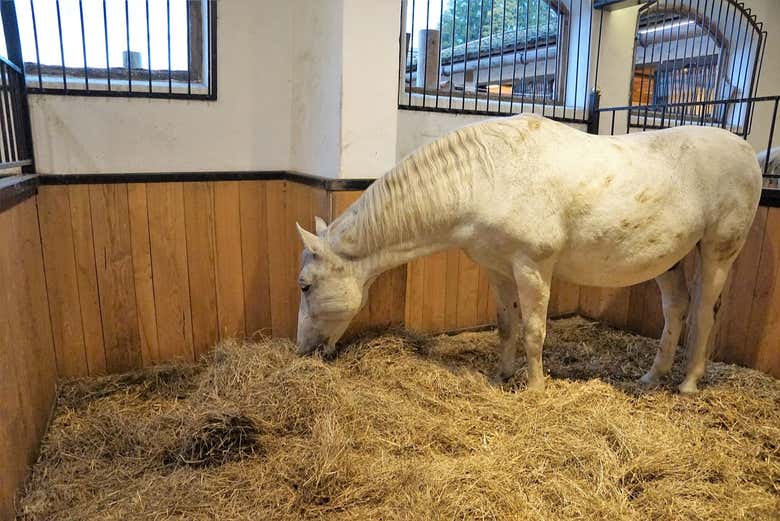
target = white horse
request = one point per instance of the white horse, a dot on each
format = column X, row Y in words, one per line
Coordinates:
column 529, row 198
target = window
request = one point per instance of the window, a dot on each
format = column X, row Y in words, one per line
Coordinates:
column 496, row 56
column 147, row 48
column 691, row 56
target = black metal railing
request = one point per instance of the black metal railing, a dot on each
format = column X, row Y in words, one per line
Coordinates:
column 128, row 48
column 16, row 150
column 496, row 57
column 611, row 118
column 701, row 51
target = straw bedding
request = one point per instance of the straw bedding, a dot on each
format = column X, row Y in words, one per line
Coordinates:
column 405, row 427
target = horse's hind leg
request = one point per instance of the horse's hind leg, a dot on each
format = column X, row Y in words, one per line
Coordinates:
column 706, row 295
column 533, row 293
column 508, row 323
column 675, row 299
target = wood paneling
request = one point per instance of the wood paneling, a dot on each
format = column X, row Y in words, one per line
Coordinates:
column 116, row 277
column 28, row 370
column 143, row 273
column 201, row 263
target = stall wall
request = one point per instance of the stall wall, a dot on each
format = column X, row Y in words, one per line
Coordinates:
column 27, row 362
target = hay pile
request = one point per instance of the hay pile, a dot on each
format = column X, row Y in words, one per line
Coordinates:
column 399, row 427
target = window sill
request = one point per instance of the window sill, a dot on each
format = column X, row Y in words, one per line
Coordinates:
column 118, row 88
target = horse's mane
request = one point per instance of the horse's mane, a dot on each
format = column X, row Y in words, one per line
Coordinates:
column 424, row 192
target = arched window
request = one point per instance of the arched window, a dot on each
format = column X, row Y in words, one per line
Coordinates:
column 689, row 52
column 496, row 56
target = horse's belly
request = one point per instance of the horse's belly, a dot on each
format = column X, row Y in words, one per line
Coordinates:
column 625, row 262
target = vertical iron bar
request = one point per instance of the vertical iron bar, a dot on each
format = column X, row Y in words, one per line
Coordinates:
column 425, row 51
column 652, row 84
column 168, row 23
column 11, row 150
column 750, row 92
column 84, row 46
column 577, row 70
column 680, row 71
column 612, row 130
column 771, row 136
column 37, row 54
column 514, row 56
column 663, row 115
column 525, row 56
column 212, row 30
column 465, row 54
column 149, row 47
column 411, row 55
column 757, row 76
column 189, row 51
column 546, row 47
column 711, row 36
column 536, row 60
column 62, row 48
column 490, row 57
column 438, row 63
column 685, row 61
column 587, row 61
column 452, row 54
column 105, row 33
column 479, row 54
column 17, row 93
column 3, row 109
column 503, row 46
column 129, row 61
column 559, row 40
column 738, row 108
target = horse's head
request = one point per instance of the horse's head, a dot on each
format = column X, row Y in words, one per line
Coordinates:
column 332, row 293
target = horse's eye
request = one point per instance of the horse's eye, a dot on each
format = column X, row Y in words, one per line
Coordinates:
column 305, row 287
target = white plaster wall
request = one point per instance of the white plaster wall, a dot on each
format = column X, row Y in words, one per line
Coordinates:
column 315, row 110
column 248, row 128
column 767, row 11
column 370, row 86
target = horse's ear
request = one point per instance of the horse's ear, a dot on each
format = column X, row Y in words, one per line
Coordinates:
column 320, row 225
column 310, row 241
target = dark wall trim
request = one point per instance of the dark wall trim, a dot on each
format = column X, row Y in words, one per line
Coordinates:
column 333, row 185
column 15, row 189
column 770, row 197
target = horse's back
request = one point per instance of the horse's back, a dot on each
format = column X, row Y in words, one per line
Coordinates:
column 625, row 208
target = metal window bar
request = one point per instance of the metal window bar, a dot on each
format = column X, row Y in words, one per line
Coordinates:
column 186, row 77
column 496, row 57
column 722, row 46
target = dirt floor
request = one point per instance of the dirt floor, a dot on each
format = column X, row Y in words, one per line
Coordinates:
column 403, row 427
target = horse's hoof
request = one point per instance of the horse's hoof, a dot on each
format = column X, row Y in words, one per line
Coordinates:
column 688, row 388
column 535, row 387
column 648, row 379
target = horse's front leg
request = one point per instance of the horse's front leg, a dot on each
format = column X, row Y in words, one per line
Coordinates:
column 533, row 293
column 508, row 318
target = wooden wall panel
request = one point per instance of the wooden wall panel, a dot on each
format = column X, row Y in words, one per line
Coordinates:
column 254, row 251
column 28, row 370
column 230, row 276
column 201, row 264
column 86, row 274
column 116, row 277
column 170, row 272
column 62, row 281
column 143, row 276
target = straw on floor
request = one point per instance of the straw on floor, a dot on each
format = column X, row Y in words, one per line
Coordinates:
column 405, row 427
